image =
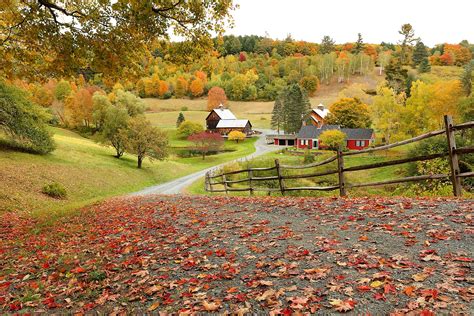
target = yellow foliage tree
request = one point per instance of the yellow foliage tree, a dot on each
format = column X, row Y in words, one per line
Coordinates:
column 237, row 136
column 197, row 87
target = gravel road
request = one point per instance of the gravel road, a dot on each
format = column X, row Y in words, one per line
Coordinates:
column 178, row 185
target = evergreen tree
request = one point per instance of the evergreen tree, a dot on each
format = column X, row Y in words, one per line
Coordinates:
column 327, row 45
column 408, row 39
column 277, row 115
column 396, row 76
column 359, row 45
column 180, row 119
column 424, row 66
column 419, row 53
column 295, row 107
column 466, row 79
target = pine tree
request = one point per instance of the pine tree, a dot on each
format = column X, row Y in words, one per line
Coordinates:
column 424, row 66
column 419, row 53
column 327, row 45
column 296, row 106
column 277, row 115
column 180, row 119
column 359, row 45
column 466, row 79
column 396, row 76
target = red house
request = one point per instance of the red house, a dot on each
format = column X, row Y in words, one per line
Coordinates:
column 318, row 115
column 357, row 138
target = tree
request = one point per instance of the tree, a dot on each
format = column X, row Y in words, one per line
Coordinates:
column 116, row 121
column 188, row 128
column 197, row 87
column 388, row 115
column 278, row 115
column 79, row 108
column 237, row 136
column 295, row 107
column 62, row 90
column 419, row 54
column 180, row 119
column 327, row 45
column 396, row 76
column 181, row 87
column 205, row 142
column 310, row 84
column 466, row 79
column 408, row 39
column 54, row 33
column 100, row 106
column 144, row 140
column 215, row 97
column 23, row 121
column 333, row 139
column 383, row 60
column 131, row 102
column 424, row 66
column 349, row 113
column 359, row 45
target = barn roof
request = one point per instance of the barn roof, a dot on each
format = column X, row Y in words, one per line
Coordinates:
column 321, row 111
column 232, row 123
column 312, row 132
column 224, row 114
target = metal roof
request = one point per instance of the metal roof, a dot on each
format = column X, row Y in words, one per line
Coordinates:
column 224, row 114
column 232, row 123
column 312, row 132
column 321, row 112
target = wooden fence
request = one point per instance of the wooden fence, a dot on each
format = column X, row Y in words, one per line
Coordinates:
column 452, row 154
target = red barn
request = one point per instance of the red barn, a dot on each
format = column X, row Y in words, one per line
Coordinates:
column 357, row 138
column 318, row 115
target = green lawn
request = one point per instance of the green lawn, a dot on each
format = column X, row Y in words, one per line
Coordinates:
column 89, row 172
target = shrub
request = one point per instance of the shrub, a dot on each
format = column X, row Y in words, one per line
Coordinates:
column 23, row 121
column 308, row 157
column 188, row 128
column 184, row 108
column 55, row 190
column 237, row 136
column 333, row 139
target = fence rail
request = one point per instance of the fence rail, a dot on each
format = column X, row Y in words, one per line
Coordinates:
column 452, row 154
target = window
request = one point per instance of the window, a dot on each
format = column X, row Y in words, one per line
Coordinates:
column 360, row 143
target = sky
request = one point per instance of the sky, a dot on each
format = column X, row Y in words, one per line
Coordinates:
column 435, row 21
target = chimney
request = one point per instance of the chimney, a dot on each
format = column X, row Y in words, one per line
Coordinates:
column 321, row 107
column 221, row 106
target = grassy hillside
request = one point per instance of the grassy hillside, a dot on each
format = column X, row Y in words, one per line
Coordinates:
column 89, row 172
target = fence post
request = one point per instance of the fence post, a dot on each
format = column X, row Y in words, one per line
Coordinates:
column 208, row 183
column 340, row 172
column 224, row 179
column 250, row 181
column 453, row 157
column 280, row 180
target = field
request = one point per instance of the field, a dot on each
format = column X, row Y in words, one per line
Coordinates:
column 89, row 172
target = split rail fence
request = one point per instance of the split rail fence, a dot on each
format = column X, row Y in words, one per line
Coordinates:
column 212, row 180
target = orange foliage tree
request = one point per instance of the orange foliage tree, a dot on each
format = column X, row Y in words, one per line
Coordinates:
column 215, row 97
column 197, row 87
column 162, row 88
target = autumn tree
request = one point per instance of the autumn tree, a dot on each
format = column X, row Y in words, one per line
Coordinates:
column 383, row 60
column 131, row 102
column 466, row 79
column 237, row 136
column 188, row 128
column 197, row 87
column 54, row 33
column 349, row 113
column 205, row 142
column 181, row 87
column 79, row 108
column 310, row 84
column 144, row 140
column 388, row 115
column 333, row 139
column 100, row 107
column 23, row 122
column 180, row 119
column 115, row 123
column 215, row 97
column 62, row 90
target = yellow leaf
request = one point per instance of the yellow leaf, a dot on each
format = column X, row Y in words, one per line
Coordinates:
column 376, row 284
column 153, row 306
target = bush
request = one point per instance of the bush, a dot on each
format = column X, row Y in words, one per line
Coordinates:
column 23, row 121
column 308, row 157
column 333, row 139
column 55, row 190
column 184, row 108
column 188, row 128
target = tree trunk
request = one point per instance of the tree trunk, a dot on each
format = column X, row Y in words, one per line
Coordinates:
column 140, row 159
column 203, row 155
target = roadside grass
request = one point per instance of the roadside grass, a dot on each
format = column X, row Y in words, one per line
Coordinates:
column 89, row 173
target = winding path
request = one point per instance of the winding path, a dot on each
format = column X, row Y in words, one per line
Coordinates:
column 178, row 185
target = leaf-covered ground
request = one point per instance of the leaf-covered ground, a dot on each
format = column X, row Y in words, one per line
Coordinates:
column 195, row 254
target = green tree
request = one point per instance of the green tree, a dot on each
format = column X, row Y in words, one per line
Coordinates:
column 349, row 113
column 359, row 45
column 333, row 139
column 327, row 45
column 424, row 66
column 116, row 120
column 62, row 91
column 419, row 53
column 310, row 84
column 100, row 106
column 388, row 115
column 278, row 115
column 180, row 119
column 188, row 128
column 396, row 76
column 295, row 107
column 466, row 78
column 23, row 121
column 131, row 102
column 144, row 140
